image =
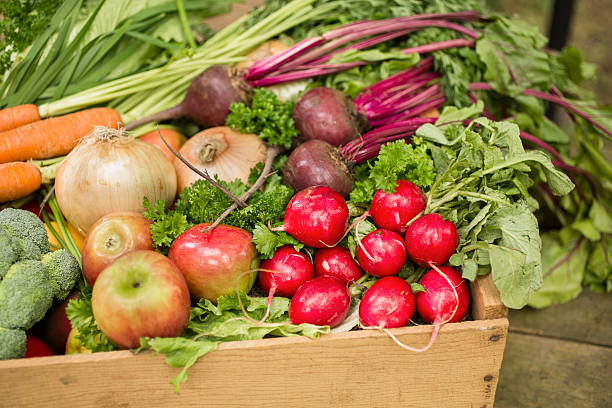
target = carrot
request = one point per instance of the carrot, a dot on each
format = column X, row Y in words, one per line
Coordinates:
column 18, row 179
column 11, row 118
column 174, row 139
column 55, row 136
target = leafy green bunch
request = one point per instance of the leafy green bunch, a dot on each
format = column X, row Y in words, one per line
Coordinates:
column 236, row 316
column 483, row 182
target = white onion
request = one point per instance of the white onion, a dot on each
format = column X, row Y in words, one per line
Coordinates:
column 220, row 151
column 110, row 171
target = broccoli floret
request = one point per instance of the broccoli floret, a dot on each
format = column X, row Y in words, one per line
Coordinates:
column 12, row 343
column 28, row 229
column 9, row 251
column 63, row 271
column 25, row 295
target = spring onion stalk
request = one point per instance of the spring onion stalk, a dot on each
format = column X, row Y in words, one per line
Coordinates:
column 227, row 46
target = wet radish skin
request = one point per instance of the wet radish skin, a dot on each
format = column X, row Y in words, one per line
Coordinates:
column 436, row 305
column 337, row 261
column 316, row 216
column 389, row 302
column 386, row 253
column 394, row 210
column 294, row 268
column 431, row 239
column 323, row 301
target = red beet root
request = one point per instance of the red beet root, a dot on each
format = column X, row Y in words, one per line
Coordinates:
column 431, row 240
column 329, row 115
column 439, row 303
column 316, row 162
column 292, row 268
column 393, row 211
column 207, row 100
column 381, row 253
column 316, row 216
column 389, row 303
column 323, row 301
column 338, row 262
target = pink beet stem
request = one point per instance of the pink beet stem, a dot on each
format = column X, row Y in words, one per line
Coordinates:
column 389, row 98
column 317, row 56
column 411, row 113
column 398, row 79
column 404, row 98
column 483, row 86
column 399, row 109
column 467, row 15
column 268, row 64
column 442, row 45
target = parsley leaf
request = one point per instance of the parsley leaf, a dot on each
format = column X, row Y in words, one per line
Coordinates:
column 267, row 117
column 396, row 160
column 202, row 202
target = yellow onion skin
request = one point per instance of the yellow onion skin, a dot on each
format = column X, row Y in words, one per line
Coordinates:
column 220, row 151
column 104, row 175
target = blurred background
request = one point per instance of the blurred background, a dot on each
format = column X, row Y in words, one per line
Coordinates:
column 590, row 31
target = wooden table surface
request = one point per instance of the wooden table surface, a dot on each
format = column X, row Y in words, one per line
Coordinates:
column 560, row 356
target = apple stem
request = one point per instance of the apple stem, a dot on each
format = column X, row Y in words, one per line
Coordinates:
column 270, row 156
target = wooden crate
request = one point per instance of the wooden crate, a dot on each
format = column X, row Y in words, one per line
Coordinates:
column 362, row 368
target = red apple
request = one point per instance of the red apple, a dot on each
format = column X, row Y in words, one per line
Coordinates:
column 55, row 327
column 110, row 237
column 140, row 294
column 35, row 347
column 217, row 262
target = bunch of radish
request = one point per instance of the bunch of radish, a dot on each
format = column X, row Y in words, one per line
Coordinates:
column 318, row 217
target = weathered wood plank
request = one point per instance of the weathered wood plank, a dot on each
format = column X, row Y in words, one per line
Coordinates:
column 547, row 372
column 486, row 300
column 585, row 319
column 355, row 369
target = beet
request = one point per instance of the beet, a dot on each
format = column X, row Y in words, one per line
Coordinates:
column 389, row 303
column 327, row 114
column 323, row 301
column 393, row 211
column 316, row 162
column 207, row 100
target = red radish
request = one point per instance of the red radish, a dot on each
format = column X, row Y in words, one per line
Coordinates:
column 329, row 115
column 35, row 347
column 431, row 240
column 323, row 301
column 447, row 297
column 337, row 261
column 292, row 269
column 393, row 211
column 316, row 216
column 382, row 253
column 389, row 302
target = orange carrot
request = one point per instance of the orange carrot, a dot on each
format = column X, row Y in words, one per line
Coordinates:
column 17, row 180
column 11, row 118
column 174, row 139
column 55, row 136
